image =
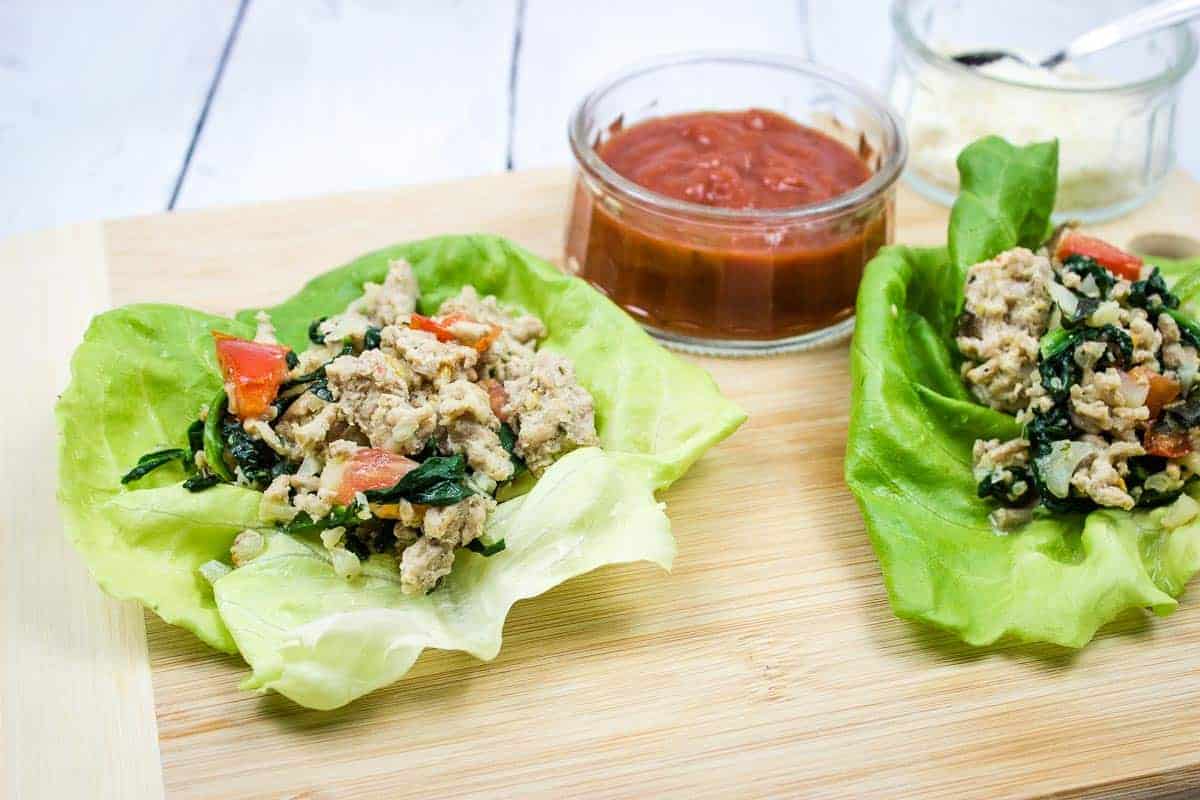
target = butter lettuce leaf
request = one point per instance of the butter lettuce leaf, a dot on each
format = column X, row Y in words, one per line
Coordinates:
column 323, row 641
column 138, row 379
column 913, row 424
column 143, row 372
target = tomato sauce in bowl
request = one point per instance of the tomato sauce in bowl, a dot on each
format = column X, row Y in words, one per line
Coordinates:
column 729, row 231
column 734, row 159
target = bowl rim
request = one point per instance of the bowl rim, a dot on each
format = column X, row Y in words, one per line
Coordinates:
column 1185, row 50
column 894, row 142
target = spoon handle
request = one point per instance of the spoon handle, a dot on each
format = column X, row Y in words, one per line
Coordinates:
column 1130, row 26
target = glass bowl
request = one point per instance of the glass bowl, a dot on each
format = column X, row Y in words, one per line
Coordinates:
column 1113, row 112
column 731, row 281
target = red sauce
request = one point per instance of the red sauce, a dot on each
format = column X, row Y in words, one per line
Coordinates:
column 730, row 279
column 734, row 159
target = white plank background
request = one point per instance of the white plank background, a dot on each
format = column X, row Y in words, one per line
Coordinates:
column 118, row 107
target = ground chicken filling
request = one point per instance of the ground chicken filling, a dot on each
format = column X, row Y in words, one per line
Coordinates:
column 391, row 434
column 1089, row 349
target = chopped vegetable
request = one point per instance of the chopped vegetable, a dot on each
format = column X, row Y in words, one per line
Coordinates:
column 1152, row 294
column 198, row 483
column 508, row 440
column 1114, row 259
column 314, row 331
column 214, row 443
column 152, row 461
column 1016, row 491
column 439, row 481
column 347, row 516
column 372, row 339
column 1167, row 441
column 253, row 373
column 422, row 323
column 486, row 550
column 1097, row 281
column 1162, row 390
column 371, row 468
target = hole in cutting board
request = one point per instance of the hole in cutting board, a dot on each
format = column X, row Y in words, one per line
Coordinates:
column 1165, row 245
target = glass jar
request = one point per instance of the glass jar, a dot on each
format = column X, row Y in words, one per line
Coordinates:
column 720, row 280
column 1113, row 112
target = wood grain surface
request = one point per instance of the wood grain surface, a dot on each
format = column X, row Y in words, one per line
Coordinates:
column 767, row 664
column 78, row 706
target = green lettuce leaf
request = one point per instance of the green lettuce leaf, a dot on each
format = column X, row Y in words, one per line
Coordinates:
column 143, row 372
column 323, row 641
column 913, row 424
column 138, row 379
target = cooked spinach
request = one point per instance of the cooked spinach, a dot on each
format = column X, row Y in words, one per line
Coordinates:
column 1083, row 309
column 1184, row 414
column 1084, row 266
column 1056, row 358
column 214, row 442
column 1056, row 361
column 508, row 440
column 1049, row 426
column 200, row 482
column 1153, row 295
column 195, row 437
column 321, row 389
column 292, row 360
column 438, row 481
column 1015, row 491
column 314, row 331
column 372, row 338
column 486, row 550
column 256, row 460
column 152, row 461
column 1141, row 468
column 1064, row 505
column 338, row 517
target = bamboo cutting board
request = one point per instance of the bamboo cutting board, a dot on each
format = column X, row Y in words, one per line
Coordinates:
column 767, row 663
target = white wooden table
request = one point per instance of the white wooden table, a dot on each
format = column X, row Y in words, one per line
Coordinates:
column 119, row 107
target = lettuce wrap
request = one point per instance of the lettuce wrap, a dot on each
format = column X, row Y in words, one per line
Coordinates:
column 913, row 424
column 143, row 371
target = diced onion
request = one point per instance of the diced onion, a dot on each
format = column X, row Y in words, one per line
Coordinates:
column 248, row 545
column 1059, row 464
column 273, row 509
column 309, row 467
column 213, row 571
column 1064, row 297
column 1133, row 392
column 345, row 563
column 332, row 536
column 1107, row 313
column 1181, row 512
column 1088, row 286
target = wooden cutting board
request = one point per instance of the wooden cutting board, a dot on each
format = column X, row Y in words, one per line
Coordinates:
column 767, row 663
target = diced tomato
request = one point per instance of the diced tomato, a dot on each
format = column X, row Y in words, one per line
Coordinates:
column 498, row 397
column 423, row 323
column 1163, row 390
column 1113, row 259
column 1166, row 443
column 485, row 341
column 370, row 468
column 253, row 372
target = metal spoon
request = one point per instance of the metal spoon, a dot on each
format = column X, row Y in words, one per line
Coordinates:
column 1122, row 29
